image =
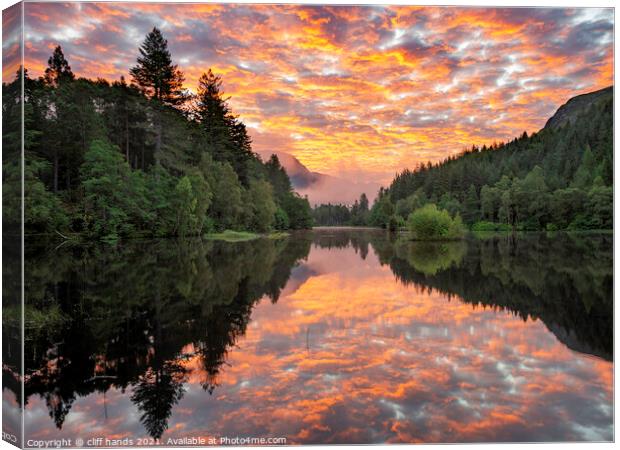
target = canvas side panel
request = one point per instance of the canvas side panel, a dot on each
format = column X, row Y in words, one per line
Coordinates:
column 12, row 229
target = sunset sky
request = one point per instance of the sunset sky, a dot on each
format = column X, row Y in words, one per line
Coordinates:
column 356, row 92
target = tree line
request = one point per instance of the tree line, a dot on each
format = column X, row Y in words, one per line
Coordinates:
column 342, row 215
column 559, row 178
column 146, row 157
column 534, row 277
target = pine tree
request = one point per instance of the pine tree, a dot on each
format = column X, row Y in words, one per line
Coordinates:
column 58, row 70
column 278, row 178
column 157, row 77
column 212, row 112
column 242, row 145
column 363, row 203
column 226, row 137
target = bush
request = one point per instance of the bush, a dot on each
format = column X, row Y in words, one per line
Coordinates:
column 431, row 257
column 431, row 223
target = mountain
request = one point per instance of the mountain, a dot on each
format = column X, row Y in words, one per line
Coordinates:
column 576, row 106
column 300, row 176
column 322, row 188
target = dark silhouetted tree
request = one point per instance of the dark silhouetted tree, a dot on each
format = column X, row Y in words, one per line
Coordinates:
column 58, row 70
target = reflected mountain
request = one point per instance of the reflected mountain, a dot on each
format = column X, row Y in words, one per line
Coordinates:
column 147, row 316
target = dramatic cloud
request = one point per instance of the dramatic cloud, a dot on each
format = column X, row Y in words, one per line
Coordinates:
column 354, row 92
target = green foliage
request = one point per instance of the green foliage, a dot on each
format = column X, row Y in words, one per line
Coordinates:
column 160, row 194
column 232, row 236
column 382, row 210
column 449, row 203
column 395, row 223
column 293, row 211
column 43, row 212
column 331, row 215
column 600, row 205
column 357, row 214
column 298, row 211
column 226, row 138
column 566, row 204
column 587, row 171
column 431, row 223
column 360, row 211
column 406, row 206
column 490, row 202
column 193, row 197
column 278, row 178
column 227, row 204
column 262, row 207
column 471, row 205
column 281, row 220
column 112, row 202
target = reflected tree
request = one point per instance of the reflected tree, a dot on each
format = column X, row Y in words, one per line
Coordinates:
column 128, row 316
column 155, row 393
column 565, row 280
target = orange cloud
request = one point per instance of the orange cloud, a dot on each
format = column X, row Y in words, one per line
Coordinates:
column 359, row 92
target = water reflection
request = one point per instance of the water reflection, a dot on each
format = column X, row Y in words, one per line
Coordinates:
column 326, row 337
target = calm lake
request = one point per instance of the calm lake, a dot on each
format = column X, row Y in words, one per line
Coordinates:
column 329, row 336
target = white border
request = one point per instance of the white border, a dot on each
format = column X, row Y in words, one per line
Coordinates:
column 496, row 3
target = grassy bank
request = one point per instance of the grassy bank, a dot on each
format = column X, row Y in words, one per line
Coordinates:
column 240, row 236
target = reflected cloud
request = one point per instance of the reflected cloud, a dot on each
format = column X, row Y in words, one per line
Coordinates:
column 333, row 336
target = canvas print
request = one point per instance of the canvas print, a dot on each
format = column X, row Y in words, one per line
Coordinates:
column 282, row 224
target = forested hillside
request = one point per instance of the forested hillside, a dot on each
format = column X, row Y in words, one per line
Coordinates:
column 140, row 158
column 558, row 178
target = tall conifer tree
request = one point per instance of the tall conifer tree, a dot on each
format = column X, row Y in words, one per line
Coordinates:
column 58, row 69
column 155, row 74
column 158, row 78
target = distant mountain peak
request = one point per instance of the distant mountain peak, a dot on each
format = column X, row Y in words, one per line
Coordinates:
column 319, row 187
column 570, row 110
column 301, row 177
